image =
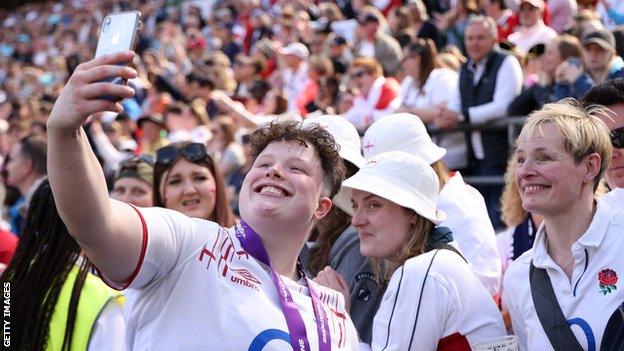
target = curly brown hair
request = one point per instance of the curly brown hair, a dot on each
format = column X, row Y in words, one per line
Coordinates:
column 312, row 134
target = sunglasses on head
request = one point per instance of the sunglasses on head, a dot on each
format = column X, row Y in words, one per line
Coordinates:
column 192, row 152
column 617, row 138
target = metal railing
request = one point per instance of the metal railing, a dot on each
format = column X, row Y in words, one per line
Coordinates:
column 512, row 124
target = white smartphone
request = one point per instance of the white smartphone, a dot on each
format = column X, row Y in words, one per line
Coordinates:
column 118, row 33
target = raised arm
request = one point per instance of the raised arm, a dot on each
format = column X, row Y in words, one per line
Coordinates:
column 110, row 232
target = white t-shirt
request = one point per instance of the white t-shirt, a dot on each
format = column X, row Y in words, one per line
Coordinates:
column 454, row 305
column 467, row 218
column 109, row 328
column 614, row 198
column 381, row 101
column 367, row 49
column 197, row 289
column 294, row 82
column 584, row 303
column 440, row 88
column 527, row 37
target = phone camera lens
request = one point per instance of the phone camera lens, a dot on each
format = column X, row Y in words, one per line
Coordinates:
column 106, row 25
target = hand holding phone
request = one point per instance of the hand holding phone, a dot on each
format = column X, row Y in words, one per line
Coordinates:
column 119, row 33
column 82, row 95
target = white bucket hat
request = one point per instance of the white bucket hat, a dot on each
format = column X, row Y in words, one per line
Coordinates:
column 402, row 178
column 401, row 132
column 348, row 139
column 344, row 133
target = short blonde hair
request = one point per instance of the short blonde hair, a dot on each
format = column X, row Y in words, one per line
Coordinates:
column 583, row 132
column 369, row 65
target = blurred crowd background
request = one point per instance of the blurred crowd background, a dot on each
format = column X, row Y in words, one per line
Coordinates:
column 212, row 71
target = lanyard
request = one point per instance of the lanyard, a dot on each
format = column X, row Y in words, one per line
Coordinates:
column 252, row 243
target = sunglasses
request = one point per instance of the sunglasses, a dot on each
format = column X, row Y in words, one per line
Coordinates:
column 192, row 152
column 528, row 8
column 617, row 138
column 358, row 74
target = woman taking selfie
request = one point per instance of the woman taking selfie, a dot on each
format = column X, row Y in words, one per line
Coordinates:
column 562, row 293
column 433, row 300
column 186, row 179
column 198, row 283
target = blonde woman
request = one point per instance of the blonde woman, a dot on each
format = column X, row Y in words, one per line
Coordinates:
column 568, row 282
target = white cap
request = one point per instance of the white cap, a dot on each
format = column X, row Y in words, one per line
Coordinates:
column 401, row 132
column 402, row 178
column 535, row 3
column 348, row 139
column 296, row 49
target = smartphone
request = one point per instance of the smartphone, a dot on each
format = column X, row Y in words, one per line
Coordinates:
column 119, row 32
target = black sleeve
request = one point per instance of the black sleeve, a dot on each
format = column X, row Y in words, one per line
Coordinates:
column 524, row 103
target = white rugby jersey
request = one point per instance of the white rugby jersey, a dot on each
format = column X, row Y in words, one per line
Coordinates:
column 455, row 310
column 614, row 198
column 467, row 218
column 197, row 289
column 588, row 299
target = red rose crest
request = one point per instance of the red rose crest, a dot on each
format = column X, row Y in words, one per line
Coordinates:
column 607, row 280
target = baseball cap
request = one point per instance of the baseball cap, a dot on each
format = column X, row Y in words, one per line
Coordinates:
column 348, row 140
column 367, row 17
column 156, row 118
column 535, row 3
column 140, row 167
column 401, row 132
column 602, row 37
column 297, row 49
column 403, row 179
column 338, row 40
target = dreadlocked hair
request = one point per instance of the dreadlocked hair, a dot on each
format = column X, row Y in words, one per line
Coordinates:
column 42, row 261
column 327, row 231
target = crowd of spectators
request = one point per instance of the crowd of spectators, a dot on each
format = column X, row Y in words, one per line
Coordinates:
column 211, row 72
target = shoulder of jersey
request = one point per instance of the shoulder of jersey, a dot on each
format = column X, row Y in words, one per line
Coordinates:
column 520, row 266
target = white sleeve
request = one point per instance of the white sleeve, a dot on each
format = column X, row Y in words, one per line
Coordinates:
column 504, row 244
column 442, row 88
column 511, row 299
column 168, row 238
column 508, row 85
column 455, row 100
column 112, row 157
column 398, row 325
column 406, row 85
column 360, row 114
column 109, row 330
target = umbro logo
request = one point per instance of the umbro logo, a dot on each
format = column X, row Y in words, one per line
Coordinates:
column 244, row 277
